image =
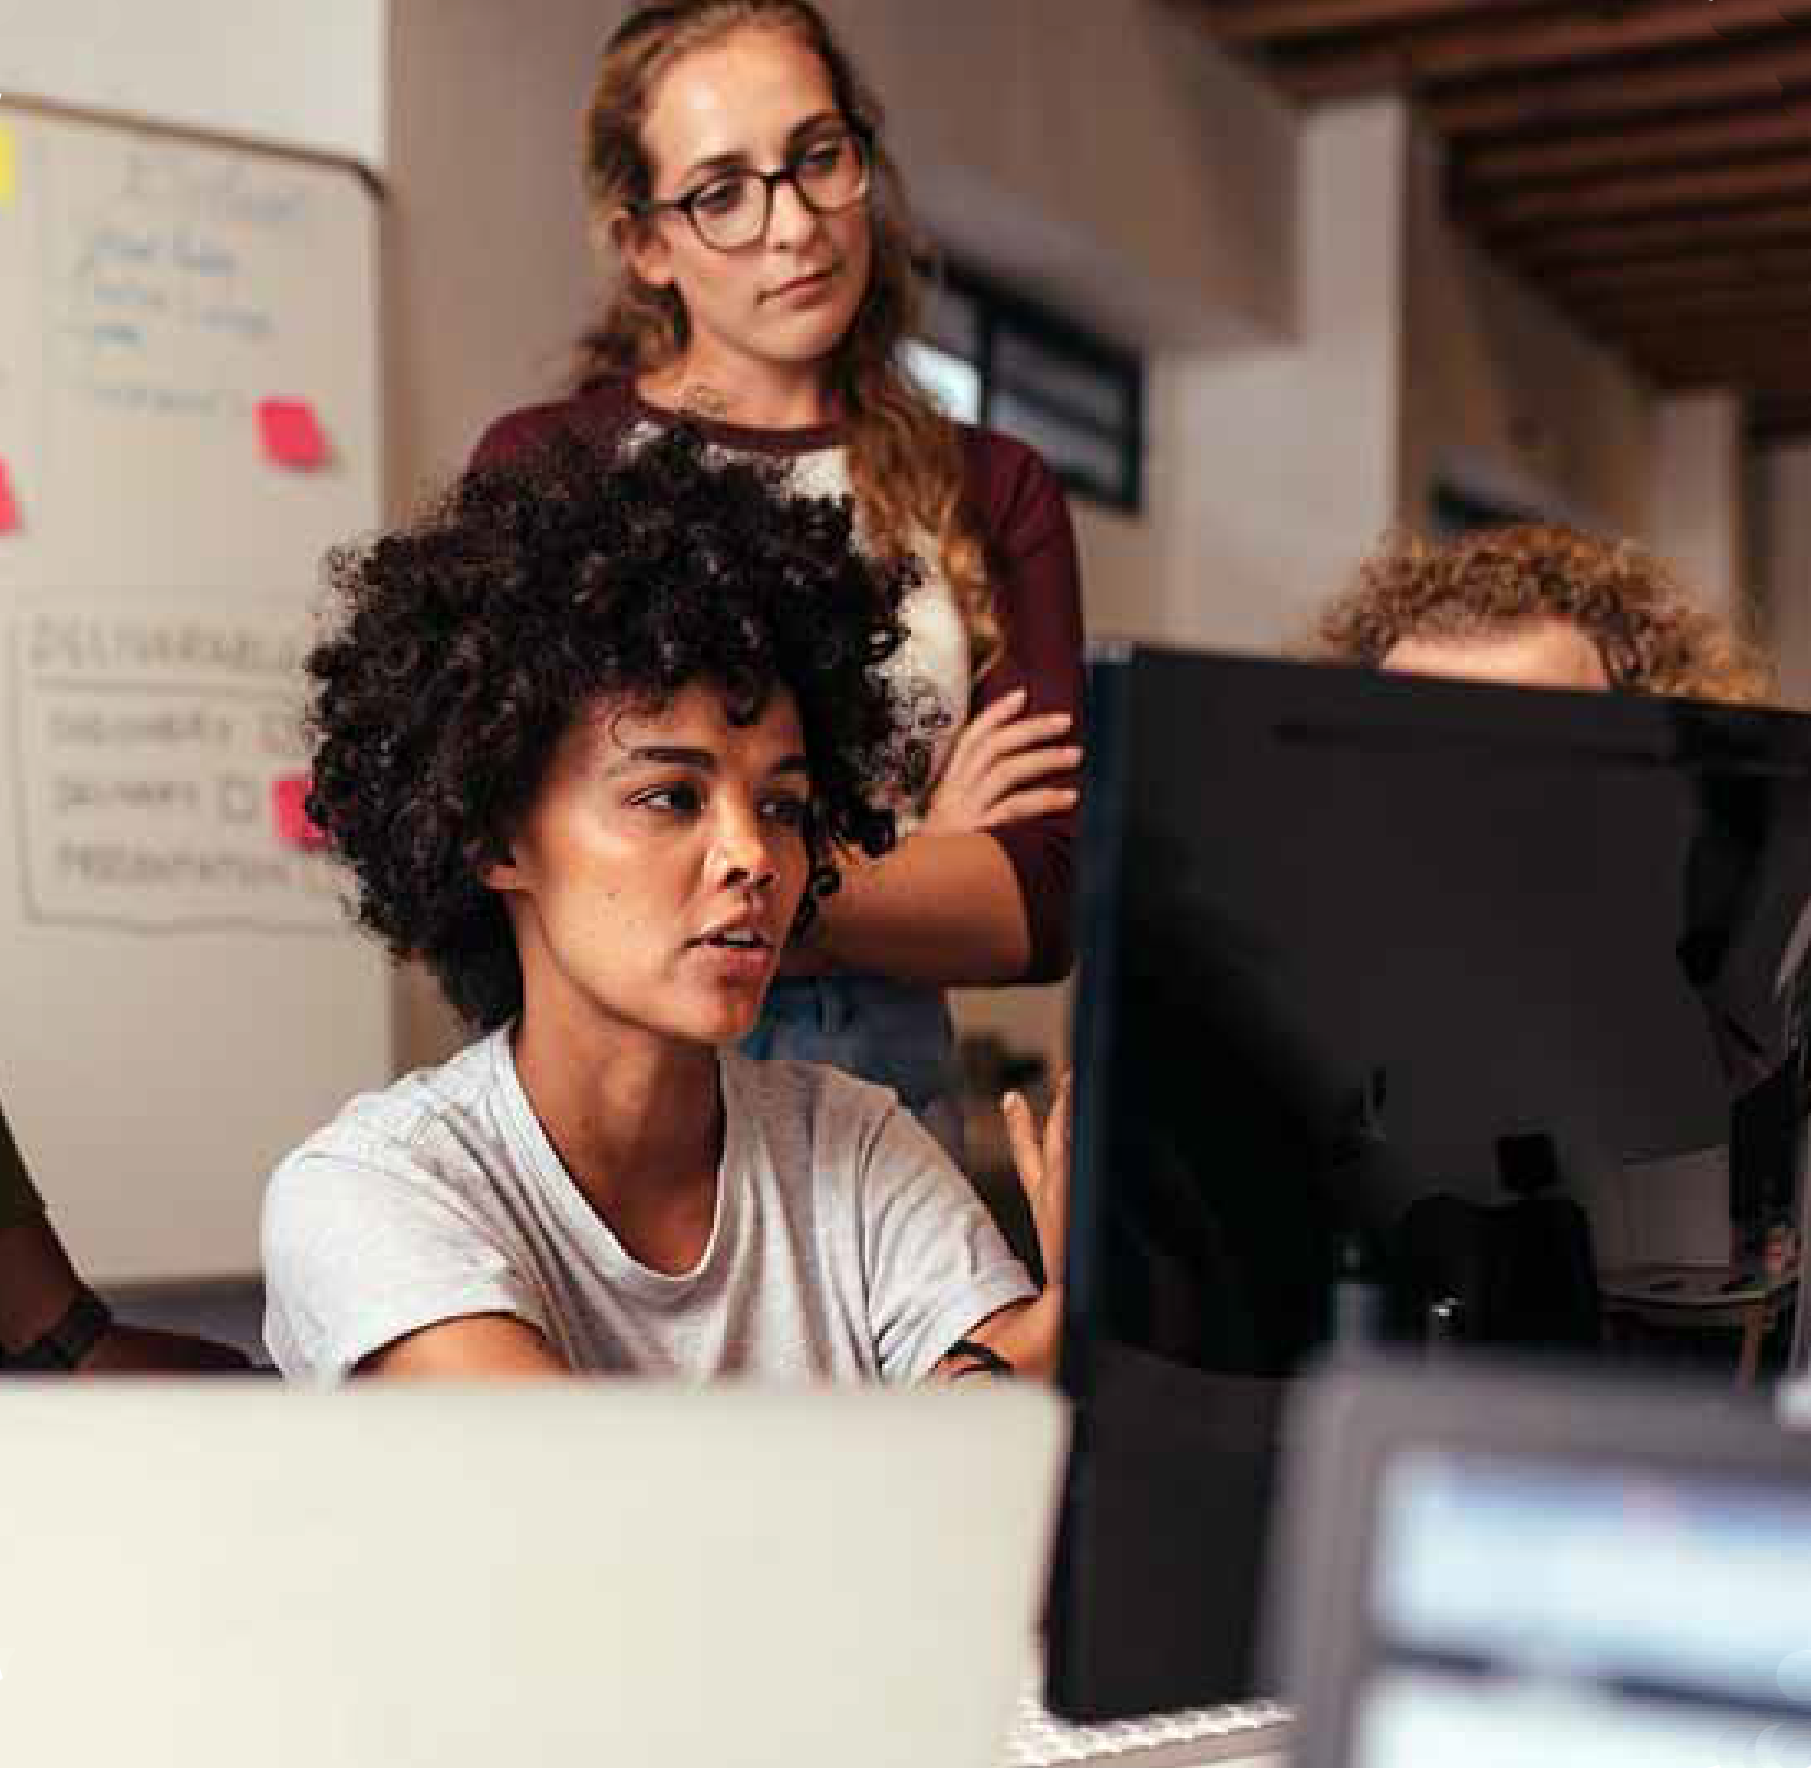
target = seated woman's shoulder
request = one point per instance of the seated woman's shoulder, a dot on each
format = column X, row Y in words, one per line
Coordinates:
column 410, row 1121
column 825, row 1105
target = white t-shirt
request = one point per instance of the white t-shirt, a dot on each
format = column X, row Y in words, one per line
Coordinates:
column 845, row 1244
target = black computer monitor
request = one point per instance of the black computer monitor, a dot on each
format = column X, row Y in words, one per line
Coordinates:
column 1407, row 1009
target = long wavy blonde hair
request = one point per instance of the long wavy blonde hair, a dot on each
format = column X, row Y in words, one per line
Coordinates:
column 1651, row 633
column 905, row 456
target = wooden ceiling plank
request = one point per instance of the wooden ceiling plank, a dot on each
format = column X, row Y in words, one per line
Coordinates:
column 1721, row 134
column 1645, row 194
column 1782, row 350
column 1704, row 273
column 1671, row 216
column 1747, row 74
column 1695, row 377
column 1676, row 382
column 1469, row 49
column 1692, row 257
column 1720, row 311
column 1783, row 343
column 1779, row 366
column 1775, row 224
column 1259, row 23
column 1775, row 421
column 1678, row 375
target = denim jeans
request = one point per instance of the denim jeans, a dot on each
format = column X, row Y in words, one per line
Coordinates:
column 896, row 1034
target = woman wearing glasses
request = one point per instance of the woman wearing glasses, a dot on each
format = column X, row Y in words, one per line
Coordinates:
column 735, row 164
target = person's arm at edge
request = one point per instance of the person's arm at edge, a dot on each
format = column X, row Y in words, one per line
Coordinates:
column 39, row 1284
column 1028, row 1334
column 945, row 910
column 994, row 907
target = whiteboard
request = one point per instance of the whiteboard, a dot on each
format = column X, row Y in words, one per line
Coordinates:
column 184, row 996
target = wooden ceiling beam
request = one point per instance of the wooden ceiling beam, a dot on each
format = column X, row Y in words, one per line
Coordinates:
column 1709, row 378
column 1723, row 313
column 1646, row 162
column 1548, row 42
column 1781, row 420
column 1686, row 258
column 1704, row 377
column 1259, row 23
column 1786, row 398
column 1635, row 148
column 1706, row 273
column 1665, row 236
column 1782, row 350
column 1747, row 74
column 1641, row 194
column 1780, row 364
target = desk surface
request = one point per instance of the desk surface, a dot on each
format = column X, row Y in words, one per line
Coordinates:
column 1694, row 1286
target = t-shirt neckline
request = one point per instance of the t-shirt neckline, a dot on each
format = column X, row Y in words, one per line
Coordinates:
column 542, row 1161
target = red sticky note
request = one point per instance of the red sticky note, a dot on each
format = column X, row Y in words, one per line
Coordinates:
column 289, row 808
column 9, row 505
column 292, row 433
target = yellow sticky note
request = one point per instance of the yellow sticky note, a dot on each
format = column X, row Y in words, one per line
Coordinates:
column 9, row 177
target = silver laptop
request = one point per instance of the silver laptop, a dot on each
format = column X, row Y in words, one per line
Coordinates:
column 1503, row 1569
column 244, row 1577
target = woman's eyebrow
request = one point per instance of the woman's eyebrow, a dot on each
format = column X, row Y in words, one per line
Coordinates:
column 800, row 130
column 736, row 160
column 663, row 755
column 733, row 161
column 704, row 760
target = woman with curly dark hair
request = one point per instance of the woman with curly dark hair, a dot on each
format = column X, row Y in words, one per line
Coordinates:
column 592, row 738
column 1539, row 606
column 764, row 280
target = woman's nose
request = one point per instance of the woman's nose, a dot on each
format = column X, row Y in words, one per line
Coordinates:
column 789, row 217
column 741, row 846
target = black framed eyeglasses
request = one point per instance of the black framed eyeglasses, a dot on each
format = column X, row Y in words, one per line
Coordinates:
column 731, row 210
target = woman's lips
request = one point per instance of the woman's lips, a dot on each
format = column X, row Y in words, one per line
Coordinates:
column 801, row 287
column 736, row 965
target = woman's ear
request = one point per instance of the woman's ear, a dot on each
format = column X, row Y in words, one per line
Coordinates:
column 642, row 247
column 501, row 871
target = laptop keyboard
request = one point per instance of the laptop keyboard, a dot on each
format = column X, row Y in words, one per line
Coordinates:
column 1164, row 1740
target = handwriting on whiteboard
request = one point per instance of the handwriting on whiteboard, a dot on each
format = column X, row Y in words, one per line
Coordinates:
column 148, row 756
column 164, row 284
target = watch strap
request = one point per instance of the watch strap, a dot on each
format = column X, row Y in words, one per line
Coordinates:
column 63, row 1347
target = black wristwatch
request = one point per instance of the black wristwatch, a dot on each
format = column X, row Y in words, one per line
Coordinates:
column 969, row 1356
column 64, row 1346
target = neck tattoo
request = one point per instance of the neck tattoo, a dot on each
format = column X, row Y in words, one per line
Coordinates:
column 703, row 401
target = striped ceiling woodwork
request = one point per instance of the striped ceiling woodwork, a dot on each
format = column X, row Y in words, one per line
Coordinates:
column 1647, row 163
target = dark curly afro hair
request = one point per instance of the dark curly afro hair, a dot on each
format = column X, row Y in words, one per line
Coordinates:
column 467, row 644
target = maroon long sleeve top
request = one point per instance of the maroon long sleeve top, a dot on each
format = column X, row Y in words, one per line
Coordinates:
column 1023, row 518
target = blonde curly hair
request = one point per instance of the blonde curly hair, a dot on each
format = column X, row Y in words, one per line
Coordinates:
column 1651, row 635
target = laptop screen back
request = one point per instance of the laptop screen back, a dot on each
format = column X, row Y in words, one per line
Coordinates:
column 1526, row 1611
column 1505, row 1566
column 414, row 1576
